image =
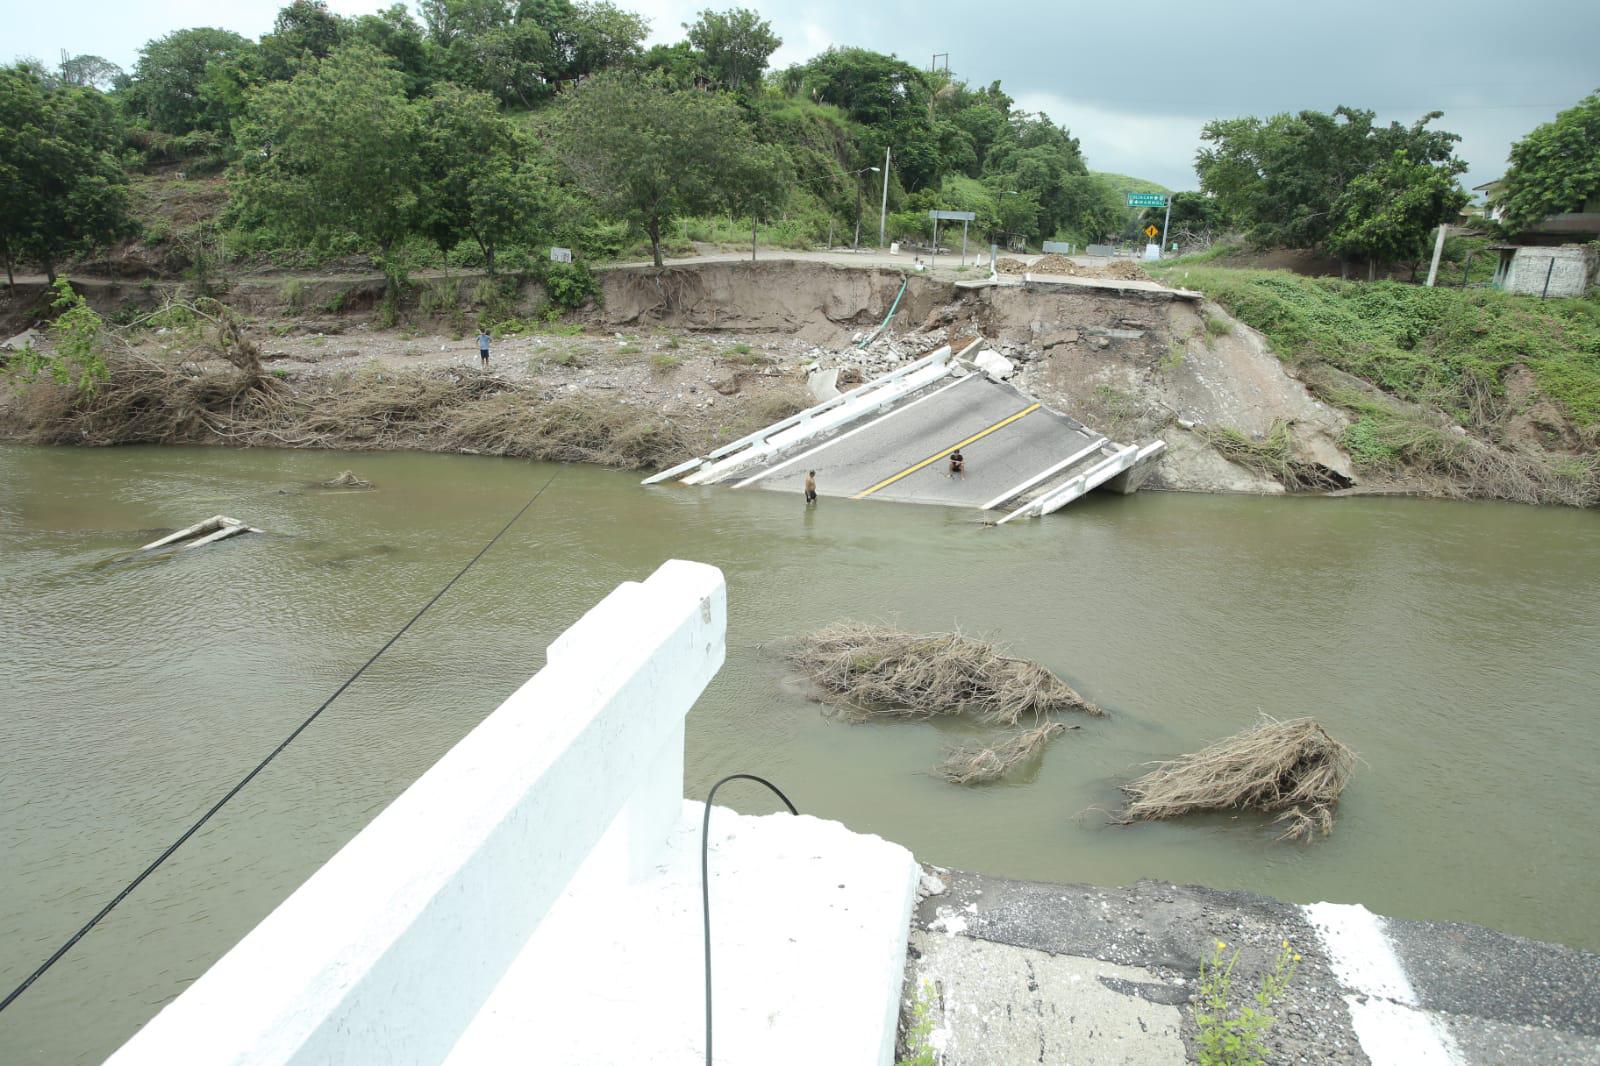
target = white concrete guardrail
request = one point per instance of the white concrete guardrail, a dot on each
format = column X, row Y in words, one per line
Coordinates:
column 534, row 896
column 825, row 417
column 1124, row 459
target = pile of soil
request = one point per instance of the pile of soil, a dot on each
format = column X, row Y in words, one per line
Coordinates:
column 1058, row 264
column 1124, row 269
column 1062, row 266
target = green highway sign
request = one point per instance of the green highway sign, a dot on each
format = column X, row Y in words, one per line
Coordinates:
column 1147, row 199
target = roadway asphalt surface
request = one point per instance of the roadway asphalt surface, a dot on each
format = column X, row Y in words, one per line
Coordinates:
column 1060, row 973
column 1006, row 438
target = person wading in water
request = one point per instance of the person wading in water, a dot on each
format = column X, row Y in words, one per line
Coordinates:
column 811, row 487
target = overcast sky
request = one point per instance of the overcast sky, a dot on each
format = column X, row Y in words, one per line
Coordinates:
column 1133, row 81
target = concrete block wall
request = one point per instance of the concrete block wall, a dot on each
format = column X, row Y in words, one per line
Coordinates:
column 387, row 953
column 1570, row 268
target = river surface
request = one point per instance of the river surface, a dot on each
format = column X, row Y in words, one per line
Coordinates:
column 1455, row 646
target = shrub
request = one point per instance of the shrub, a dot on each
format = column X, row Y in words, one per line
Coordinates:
column 570, row 285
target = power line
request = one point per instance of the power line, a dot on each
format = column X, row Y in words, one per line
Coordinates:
column 262, row 765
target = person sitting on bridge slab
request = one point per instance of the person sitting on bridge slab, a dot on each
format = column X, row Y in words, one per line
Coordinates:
column 811, row 487
column 958, row 463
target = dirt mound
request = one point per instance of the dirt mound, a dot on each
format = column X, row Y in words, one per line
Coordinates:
column 1062, row 266
column 1123, row 269
column 1058, row 264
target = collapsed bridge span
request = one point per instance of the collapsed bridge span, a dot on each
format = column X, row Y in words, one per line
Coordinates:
column 892, row 438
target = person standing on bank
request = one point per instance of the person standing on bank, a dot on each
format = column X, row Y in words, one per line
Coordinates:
column 483, row 348
column 811, row 487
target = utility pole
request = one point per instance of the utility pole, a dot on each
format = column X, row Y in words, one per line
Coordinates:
column 857, row 177
column 1165, row 223
column 1438, row 250
column 883, row 209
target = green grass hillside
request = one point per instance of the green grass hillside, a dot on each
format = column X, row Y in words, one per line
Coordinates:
column 1517, row 373
column 1125, row 183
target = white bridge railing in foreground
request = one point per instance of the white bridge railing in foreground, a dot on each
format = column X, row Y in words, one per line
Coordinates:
column 871, row 398
column 534, row 896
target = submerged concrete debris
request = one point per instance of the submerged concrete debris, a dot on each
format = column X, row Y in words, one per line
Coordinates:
column 213, row 529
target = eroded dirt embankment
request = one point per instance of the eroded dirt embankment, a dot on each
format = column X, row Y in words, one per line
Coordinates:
column 702, row 353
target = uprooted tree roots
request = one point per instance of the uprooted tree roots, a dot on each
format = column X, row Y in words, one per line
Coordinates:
column 875, row 672
column 1293, row 769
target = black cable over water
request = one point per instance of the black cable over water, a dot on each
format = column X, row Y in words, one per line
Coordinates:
column 262, row 765
column 705, row 879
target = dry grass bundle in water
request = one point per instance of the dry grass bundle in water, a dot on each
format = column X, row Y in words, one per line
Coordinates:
column 979, row 764
column 878, row 672
column 1294, row 769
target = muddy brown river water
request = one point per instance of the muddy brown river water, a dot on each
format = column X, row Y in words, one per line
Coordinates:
column 1456, row 646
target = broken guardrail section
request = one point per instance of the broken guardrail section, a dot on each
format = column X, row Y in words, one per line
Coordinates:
column 213, row 529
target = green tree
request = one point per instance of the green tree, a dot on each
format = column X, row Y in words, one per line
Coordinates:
column 62, row 189
column 588, row 37
column 87, row 72
column 1555, row 168
column 736, row 44
column 333, row 152
column 397, row 35
column 759, row 185
column 646, row 153
column 1389, row 213
column 481, row 180
column 167, row 80
column 1281, row 177
column 303, row 31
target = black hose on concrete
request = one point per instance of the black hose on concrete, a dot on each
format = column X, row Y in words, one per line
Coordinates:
column 705, row 880
column 262, row 765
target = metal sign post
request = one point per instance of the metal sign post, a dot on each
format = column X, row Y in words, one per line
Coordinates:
column 1153, row 199
column 962, row 217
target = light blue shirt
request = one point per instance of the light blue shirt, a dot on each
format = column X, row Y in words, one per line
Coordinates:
column 483, row 342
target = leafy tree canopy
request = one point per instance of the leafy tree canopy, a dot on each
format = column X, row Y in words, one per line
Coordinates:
column 62, row 189
column 646, row 153
column 1555, row 168
column 736, row 45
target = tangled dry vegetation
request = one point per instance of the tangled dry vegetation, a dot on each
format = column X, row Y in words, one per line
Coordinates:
column 1293, row 769
column 146, row 401
column 874, row 672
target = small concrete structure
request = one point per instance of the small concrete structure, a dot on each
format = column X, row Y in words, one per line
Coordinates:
column 535, row 895
column 995, row 365
column 1562, row 271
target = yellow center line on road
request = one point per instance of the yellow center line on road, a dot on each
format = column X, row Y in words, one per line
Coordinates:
column 982, row 433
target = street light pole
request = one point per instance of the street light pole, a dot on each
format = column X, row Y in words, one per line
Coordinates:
column 883, row 208
column 857, row 177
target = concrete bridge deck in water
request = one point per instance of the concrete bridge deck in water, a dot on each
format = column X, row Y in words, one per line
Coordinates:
column 892, row 438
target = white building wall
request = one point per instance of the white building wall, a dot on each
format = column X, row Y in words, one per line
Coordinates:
column 1570, row 269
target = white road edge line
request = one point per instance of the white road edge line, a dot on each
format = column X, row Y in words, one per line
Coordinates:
column 1384, row 1011
column 1024, row 486
column 843, row 436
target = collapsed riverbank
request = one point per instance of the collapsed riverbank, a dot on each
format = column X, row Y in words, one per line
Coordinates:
column 673, row 362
